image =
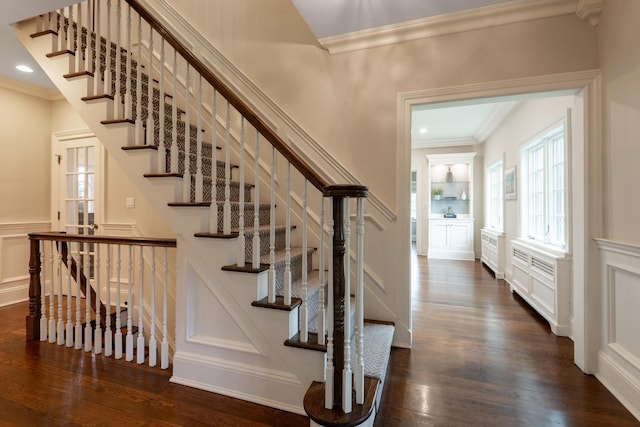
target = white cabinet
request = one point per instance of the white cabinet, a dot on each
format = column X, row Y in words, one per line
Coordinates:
column 493, row 255
column 451, row 238
column 543, row 280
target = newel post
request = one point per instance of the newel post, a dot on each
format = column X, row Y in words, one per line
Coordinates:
column 340, row 193
column 33, row 318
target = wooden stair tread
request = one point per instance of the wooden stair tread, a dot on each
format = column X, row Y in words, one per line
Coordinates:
column 278, row 305
column 311, row 344
column 314, row 405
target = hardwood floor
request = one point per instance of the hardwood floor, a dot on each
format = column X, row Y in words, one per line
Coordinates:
column 482, row 356
column 43, row 384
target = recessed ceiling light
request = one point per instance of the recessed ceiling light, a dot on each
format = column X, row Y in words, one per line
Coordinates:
column 24, row 68
column 424, row 130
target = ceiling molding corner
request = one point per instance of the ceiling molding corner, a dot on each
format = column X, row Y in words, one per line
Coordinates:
column 444, row 142
column 589, row 10
column 490, row 16
column 29, row 89
column 499, row 113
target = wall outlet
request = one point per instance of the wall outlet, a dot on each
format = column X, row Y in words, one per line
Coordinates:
column 131, row 202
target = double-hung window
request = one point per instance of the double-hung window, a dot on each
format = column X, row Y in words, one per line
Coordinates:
column 544, row 187
column 494, row 196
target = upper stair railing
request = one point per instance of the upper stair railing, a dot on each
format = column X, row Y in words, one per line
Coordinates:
column 184, row 113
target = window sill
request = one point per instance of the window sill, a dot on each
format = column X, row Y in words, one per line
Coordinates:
column 550, row 250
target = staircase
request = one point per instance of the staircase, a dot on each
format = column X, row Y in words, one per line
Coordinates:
column 264, row 309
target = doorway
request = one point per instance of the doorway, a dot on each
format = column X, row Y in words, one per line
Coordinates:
column 586, row 176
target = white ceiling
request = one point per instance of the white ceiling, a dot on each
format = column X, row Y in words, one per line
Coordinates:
column 328, row 18
column 12, row 51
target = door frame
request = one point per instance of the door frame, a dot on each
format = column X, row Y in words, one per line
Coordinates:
column 57, row 139
column 587, row 215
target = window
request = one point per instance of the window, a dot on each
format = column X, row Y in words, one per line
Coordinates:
column 544, row 188
column 494, row 194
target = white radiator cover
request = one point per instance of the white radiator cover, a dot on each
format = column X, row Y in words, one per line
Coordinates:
column 493, row 252
column 544, row 280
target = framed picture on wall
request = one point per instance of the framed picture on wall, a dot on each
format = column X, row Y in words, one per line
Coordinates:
column 510, row 185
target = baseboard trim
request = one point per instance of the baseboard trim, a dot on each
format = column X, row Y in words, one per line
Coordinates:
column 624, row 386
column 14, row 295
column 237, row 380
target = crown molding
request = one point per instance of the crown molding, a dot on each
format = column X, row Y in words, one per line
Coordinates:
column 444, row 142
column 29, row 89
column 498, row 114
column 490, row 16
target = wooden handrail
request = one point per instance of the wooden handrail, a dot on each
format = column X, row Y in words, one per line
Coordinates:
column 112, row 240
column 314, row 178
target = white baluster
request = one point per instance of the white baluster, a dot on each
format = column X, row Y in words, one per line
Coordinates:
column 304, row 309
column 117, row 98
column 150, row 138
column 60, row 322
column 52, row 293
column 108, row 332
column 140, row 341
column 78, row 48
column 241, row 236
column 88, row 53
column 359, row 374
column 97, row 333
column 256, row 206
column 329, row 371
column 287, row 259
column 139, row 131
column 128, row 98
column 153, row 345
column 62, row 31
column 322, row 310
column 186, row 177
column 129, row 338
column 175, row 152
column 108, row 77
column 213, row 209
column 118, row 332
column 162, row 146
column 69, row 328
column 272, row 230
column 347, row 374
column 226, row 210
column 199, row 178
column 98, row 87
column 43, row 294
column 87, row 300
column 164, row 349
column 71, row 38
column 87, row 275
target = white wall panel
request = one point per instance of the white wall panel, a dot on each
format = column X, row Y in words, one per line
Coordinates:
column 14, row 260
column 619, row 355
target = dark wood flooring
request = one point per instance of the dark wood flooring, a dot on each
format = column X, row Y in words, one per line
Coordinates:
column 43, row 384
column 481, row 356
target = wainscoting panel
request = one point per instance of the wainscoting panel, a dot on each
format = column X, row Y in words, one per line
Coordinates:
column 619, row 356
column 14, row 260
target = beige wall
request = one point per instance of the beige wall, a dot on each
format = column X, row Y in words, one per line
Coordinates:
column 619, row 33
column 525, row 122
column 25, row 141
column 349, row 101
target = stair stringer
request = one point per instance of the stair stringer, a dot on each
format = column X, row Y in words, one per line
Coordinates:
column 253, row 365
column 273, row 374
